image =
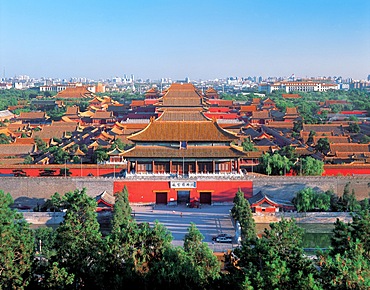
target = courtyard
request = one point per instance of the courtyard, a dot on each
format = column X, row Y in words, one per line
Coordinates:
column 211, row 220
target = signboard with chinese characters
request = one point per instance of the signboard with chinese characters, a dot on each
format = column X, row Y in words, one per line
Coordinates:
column 183, row 184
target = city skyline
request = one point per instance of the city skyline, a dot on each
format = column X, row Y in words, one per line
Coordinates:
column 201, row 40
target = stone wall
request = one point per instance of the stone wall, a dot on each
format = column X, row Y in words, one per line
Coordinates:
column 282, row 187
column 33, row 191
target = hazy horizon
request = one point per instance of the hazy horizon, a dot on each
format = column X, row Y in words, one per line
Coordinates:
column 195, row 39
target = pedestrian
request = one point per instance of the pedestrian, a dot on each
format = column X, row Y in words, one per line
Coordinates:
column 181, row 214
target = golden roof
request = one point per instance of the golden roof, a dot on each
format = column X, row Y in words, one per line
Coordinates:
column 183, row 131
column 190, row 152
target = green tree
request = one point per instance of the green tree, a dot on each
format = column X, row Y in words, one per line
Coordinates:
column 5, row 139
column 119, row 263
column 16, row 246
column 311, row 166
column 289, row 152
column 344, row 200
column 274, row 164
column 57, row 278
column 333, row 200
column 64, row 172
column 121, row 210
column 78, row 239
column 41, row 145
column 323, row 145
column 119, row 144
column 360, row 230
column 365, row 139
column 297, row 126
column 354, row 128
column 59, row 155
column 303, row 200
column 242, row 213
column 100, row 155
column 45, row 238
column 28, row 160
column 277, row 260
column 321, row 201
column 46, row 275
column 341, row 238
column 202, row 265
column 347, row 264
column 248, row 145
column 308, row 200
column 353, row 204
column 310, row 137
column 349, row 270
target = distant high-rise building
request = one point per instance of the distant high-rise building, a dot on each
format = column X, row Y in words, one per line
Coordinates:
column 368, row 78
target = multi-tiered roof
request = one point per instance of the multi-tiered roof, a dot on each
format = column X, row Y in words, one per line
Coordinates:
column 182, row 121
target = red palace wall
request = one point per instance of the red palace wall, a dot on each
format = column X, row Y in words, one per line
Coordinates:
column 333, row 170
column 221, row 191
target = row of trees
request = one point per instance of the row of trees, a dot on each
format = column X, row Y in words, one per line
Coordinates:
column 137, row 256
column 308, row 106
column 77, row 256
column 308, row 199
column 278, row 164
column 277, row 260
column 286, row 159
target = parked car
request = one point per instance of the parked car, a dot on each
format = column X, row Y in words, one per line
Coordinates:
column 222, row 238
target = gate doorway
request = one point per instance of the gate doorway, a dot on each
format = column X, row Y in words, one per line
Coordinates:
column 161, row 197
column 205, row 198
column 183, row 196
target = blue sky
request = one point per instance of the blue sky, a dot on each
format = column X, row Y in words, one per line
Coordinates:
column 200, row 39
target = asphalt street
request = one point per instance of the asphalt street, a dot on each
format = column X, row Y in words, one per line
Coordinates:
column 210, row 220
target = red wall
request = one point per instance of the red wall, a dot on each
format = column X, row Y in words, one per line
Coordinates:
column 145, row 191
column 345, row 170
column 222, row 115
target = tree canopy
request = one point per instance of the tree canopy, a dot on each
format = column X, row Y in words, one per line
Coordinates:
column 16, row 247
column 242, row 213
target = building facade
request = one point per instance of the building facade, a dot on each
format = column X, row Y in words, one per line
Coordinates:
column 185, row 148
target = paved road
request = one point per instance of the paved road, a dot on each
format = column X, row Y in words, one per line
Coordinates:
column 210, row 220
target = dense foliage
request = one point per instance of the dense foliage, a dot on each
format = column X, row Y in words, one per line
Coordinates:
column 241, row 212
column 16, row 247
column 308, row 104
column 308, row 199
column 139, row 256
column 276, row 260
